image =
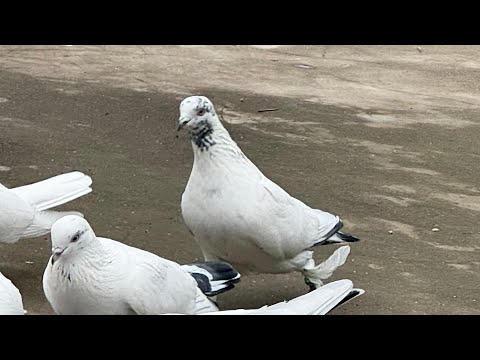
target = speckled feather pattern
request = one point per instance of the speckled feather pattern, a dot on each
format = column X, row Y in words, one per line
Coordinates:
column 240, row 216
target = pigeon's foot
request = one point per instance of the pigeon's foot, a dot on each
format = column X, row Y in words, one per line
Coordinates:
column 314, row 274
column 311, row 285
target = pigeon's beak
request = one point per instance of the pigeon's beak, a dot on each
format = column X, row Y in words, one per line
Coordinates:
column 182, row 122
column 56, row 252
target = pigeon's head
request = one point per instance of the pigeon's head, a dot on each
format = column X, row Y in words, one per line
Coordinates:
column 68, row 234
column 195, row 111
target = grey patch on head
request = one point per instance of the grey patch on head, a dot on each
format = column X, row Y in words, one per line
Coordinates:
column 210, row 109
column 206, row 105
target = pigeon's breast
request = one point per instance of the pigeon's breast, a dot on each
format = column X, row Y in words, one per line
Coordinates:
column 76, row 293
column 90, row 304
column 225, row 225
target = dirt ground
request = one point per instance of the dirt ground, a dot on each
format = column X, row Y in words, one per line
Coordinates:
column 384, row 136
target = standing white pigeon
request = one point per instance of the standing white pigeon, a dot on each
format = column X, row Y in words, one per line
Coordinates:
column 10, row 298
column 317, row 302
column 89, row 275
column 23, row 210
column 238, row 215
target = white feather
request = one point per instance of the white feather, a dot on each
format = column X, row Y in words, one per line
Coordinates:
column 318, row 302
column 23, row 211
column 55, row 191
column 97, row 275
column 237, row 214
column 10, row 298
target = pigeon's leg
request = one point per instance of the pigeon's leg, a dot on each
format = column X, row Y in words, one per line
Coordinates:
column 312, row 285
column 315, row 274
column 207, row 256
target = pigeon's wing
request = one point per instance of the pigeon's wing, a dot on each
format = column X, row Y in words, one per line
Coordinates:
column 294, row 220
column 15, row 217
column 10, row 298
column 56, row 190
column 154, row 285
column 318, row 302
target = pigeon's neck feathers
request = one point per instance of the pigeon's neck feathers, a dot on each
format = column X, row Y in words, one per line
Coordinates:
column 213, row 144
column 209, row 134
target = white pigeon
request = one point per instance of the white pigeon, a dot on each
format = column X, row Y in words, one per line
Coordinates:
column 24, row 210
column 10, row 298
column 89, row 275
column 317, row 302
column 238, row 215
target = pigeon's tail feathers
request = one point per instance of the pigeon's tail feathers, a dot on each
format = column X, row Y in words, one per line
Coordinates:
column 341, row 237
column 56, row 190
column 335, row 236
column 43, row 221
column 213, row 277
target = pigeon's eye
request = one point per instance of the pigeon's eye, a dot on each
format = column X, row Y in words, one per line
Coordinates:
column 75, row 238
column 201, row 112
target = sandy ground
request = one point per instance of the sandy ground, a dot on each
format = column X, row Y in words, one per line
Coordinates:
column 384, row 136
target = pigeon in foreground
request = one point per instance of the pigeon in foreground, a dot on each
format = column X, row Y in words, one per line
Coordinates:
column 317, row 302
column 89, row 275
column 24, row 210
column 238, row 215
column 10, row 298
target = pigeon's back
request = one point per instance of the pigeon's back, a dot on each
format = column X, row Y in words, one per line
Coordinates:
column 153, row 284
